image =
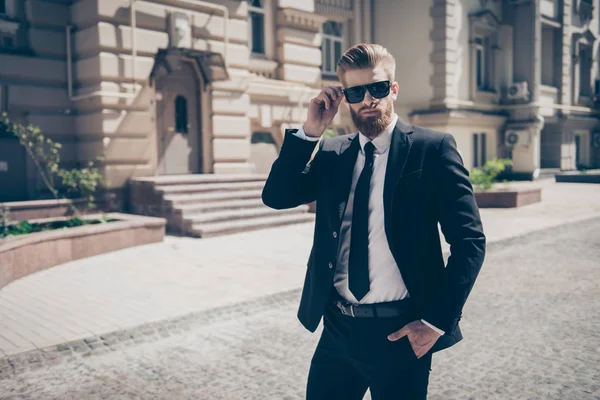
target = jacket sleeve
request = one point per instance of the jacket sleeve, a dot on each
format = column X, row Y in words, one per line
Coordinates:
column 461, row 225
column 293, row 180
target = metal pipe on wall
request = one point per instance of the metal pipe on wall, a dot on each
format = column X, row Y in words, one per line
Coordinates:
column 200, row 3
column 225, row 11
column 358, row 28
column 69, row 66
column 68, row 29
column 133, row 24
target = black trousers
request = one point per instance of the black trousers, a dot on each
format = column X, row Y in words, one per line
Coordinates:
column 354, row 354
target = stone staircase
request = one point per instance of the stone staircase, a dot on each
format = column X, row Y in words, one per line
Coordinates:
column 210, row 205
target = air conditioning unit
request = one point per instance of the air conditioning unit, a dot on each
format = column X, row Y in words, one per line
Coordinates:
column 516, row 138
column 596, row 140
column 180, row 31
column 517, row 91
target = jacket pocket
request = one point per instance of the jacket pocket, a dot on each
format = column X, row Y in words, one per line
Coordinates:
column 412, row 174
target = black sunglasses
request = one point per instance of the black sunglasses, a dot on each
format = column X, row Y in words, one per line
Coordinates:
column 378, row 90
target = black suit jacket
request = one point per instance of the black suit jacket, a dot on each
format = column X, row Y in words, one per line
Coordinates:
column 425, row 183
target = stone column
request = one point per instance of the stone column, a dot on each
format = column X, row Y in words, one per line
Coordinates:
column 566, row 65
column 527, row 67
column 444, row 34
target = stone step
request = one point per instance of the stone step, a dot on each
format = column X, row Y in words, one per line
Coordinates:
column 221, row 228
column 166, row 180
column 196, row 208
column 210, row 187
column 211, row 205
column 246, row 214
column 186, row 198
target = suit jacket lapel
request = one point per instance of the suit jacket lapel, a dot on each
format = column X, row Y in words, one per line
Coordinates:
column 399, row 149
column 348, row 154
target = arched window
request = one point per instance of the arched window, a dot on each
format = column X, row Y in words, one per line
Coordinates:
column 181, row 115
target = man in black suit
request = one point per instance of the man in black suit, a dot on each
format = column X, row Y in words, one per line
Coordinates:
column 376, row 273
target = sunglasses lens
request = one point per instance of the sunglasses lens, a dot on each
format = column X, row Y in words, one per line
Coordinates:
column 355, row 94
column 379, row 89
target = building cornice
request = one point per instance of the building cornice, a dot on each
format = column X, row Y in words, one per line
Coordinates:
column 292, row 18
column 448, row 117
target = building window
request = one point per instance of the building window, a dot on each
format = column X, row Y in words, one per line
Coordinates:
column 2, row 6
column 551, row 60
column 480, row 63
column 331, row 47
column 6, row 41
column 585, row 9
column 181, row 115
column 483, row 64
column 577, row 151
column 256, row 22
column 479, row 150
column 484, row 29
column 585, row 71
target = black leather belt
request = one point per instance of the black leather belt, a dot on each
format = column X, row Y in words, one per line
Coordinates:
column 377, row 310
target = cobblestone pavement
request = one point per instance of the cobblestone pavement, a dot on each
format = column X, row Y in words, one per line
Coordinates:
column 131, row 287
column 531, row 325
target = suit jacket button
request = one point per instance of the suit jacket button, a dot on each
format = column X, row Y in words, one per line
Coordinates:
column 335, row 234
column 330, row 265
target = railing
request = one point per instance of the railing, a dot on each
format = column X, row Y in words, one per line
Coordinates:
column 342, row 8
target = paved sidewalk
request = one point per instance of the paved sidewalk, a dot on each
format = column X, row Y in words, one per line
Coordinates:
column 150, row 283
column 531, row 331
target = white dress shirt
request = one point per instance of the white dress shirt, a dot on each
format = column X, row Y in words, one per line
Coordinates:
column 386, row 283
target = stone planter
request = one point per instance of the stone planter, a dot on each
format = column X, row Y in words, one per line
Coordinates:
column 592, row 176
column 24, row 255
column 507, row 197
column 36, row 209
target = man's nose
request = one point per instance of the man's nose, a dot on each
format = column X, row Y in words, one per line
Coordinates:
column 368, row 100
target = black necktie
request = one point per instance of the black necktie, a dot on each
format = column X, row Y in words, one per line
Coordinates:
column 358, row 263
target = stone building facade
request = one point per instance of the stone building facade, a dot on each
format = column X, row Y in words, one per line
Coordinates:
column 512, row 78
column 162, row 87
column 166, row 86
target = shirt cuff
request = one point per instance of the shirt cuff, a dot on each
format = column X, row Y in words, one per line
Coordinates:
column 439, row 331
column 302, row 135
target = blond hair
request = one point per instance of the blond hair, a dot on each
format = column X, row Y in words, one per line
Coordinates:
column 365, row 55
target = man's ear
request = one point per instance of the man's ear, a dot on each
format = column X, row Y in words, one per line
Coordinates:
column 395, row 89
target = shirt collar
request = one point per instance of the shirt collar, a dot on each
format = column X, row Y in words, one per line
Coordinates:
column 382, row 142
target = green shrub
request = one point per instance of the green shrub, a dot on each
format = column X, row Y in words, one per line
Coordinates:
column 484, row 177
column 329, row 132
column 82, row 182
column 25, row 227
column 77, row 182
column 4, row 219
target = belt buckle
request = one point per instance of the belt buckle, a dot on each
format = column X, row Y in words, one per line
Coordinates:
column 344, row 309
